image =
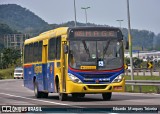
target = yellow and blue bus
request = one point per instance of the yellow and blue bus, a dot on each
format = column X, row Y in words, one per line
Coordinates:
column 76, row 61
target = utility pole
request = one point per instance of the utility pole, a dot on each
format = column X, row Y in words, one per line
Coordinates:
column 75, row 21
column 130, row 43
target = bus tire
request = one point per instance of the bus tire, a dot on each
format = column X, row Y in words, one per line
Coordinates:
column 37, row 93
column 107, row 96
column 44, row 94
column 62, row 96
column 82, row 95
column 75, row 95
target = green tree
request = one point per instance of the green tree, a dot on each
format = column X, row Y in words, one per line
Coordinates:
column 126, row 60
column 10, row 57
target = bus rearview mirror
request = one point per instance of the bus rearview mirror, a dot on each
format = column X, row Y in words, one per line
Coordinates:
column 127, row 45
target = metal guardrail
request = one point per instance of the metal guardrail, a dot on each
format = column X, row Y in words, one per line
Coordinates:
column 143, row 82
column 140, row 83
column 144, row 72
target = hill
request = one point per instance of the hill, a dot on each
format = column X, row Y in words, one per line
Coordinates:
column 141, row 39
column 21, row 19
column 5, row 29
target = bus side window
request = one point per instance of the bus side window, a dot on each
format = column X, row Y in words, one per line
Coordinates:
column 40, row 51
column 58, row 48
column 31, row 53
column 52, row 49
column 35, row 52
column 25, row 54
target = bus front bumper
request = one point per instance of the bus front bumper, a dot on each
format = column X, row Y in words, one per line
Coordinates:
column 95, row 88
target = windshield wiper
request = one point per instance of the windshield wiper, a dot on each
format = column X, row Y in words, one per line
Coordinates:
column 85, row 47
column 106, row 48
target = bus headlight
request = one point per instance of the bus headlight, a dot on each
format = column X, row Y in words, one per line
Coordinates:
column 118, row 78
column 74, row 78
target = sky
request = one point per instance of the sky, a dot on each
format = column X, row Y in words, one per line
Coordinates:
column 144, row 14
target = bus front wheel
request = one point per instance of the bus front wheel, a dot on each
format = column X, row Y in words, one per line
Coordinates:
column 76, row 95
column 82, row 95
column 107, row 96
column 62, row 96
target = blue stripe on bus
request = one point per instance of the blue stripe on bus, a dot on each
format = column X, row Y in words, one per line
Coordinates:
column 82, row 75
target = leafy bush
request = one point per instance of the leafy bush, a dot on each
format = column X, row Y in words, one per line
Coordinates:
column 7, row 73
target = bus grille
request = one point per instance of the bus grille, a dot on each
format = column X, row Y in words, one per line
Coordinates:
column 97, row 86
column 96, row 75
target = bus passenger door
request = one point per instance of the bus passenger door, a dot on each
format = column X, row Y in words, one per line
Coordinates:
column 44, row 60
column 48, row 71
column 64, row 66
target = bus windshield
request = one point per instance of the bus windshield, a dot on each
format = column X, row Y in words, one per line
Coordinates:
column 103, row 55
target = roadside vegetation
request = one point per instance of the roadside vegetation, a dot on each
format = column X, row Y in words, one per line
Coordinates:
column 7, row 73
column 143, row 77
column 9, row 59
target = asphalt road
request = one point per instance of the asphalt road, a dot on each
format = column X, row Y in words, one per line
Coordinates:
column 12, row 92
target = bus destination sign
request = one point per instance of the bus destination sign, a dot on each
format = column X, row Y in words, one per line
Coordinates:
column 95, row 34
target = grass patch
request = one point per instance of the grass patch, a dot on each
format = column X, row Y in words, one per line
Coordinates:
column 6, row 73
column 143, row 89
column 143, row 77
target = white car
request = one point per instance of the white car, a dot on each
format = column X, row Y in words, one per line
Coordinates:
column 18, row 73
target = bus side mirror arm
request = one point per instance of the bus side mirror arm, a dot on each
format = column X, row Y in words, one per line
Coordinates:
column 127, row 45
column 65, row 49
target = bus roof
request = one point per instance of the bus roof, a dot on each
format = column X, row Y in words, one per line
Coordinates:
column 48, row 34
column 95, row 27
column 61, row 31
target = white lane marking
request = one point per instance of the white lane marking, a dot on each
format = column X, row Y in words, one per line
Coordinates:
column 7, row 80
column 41, row 100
